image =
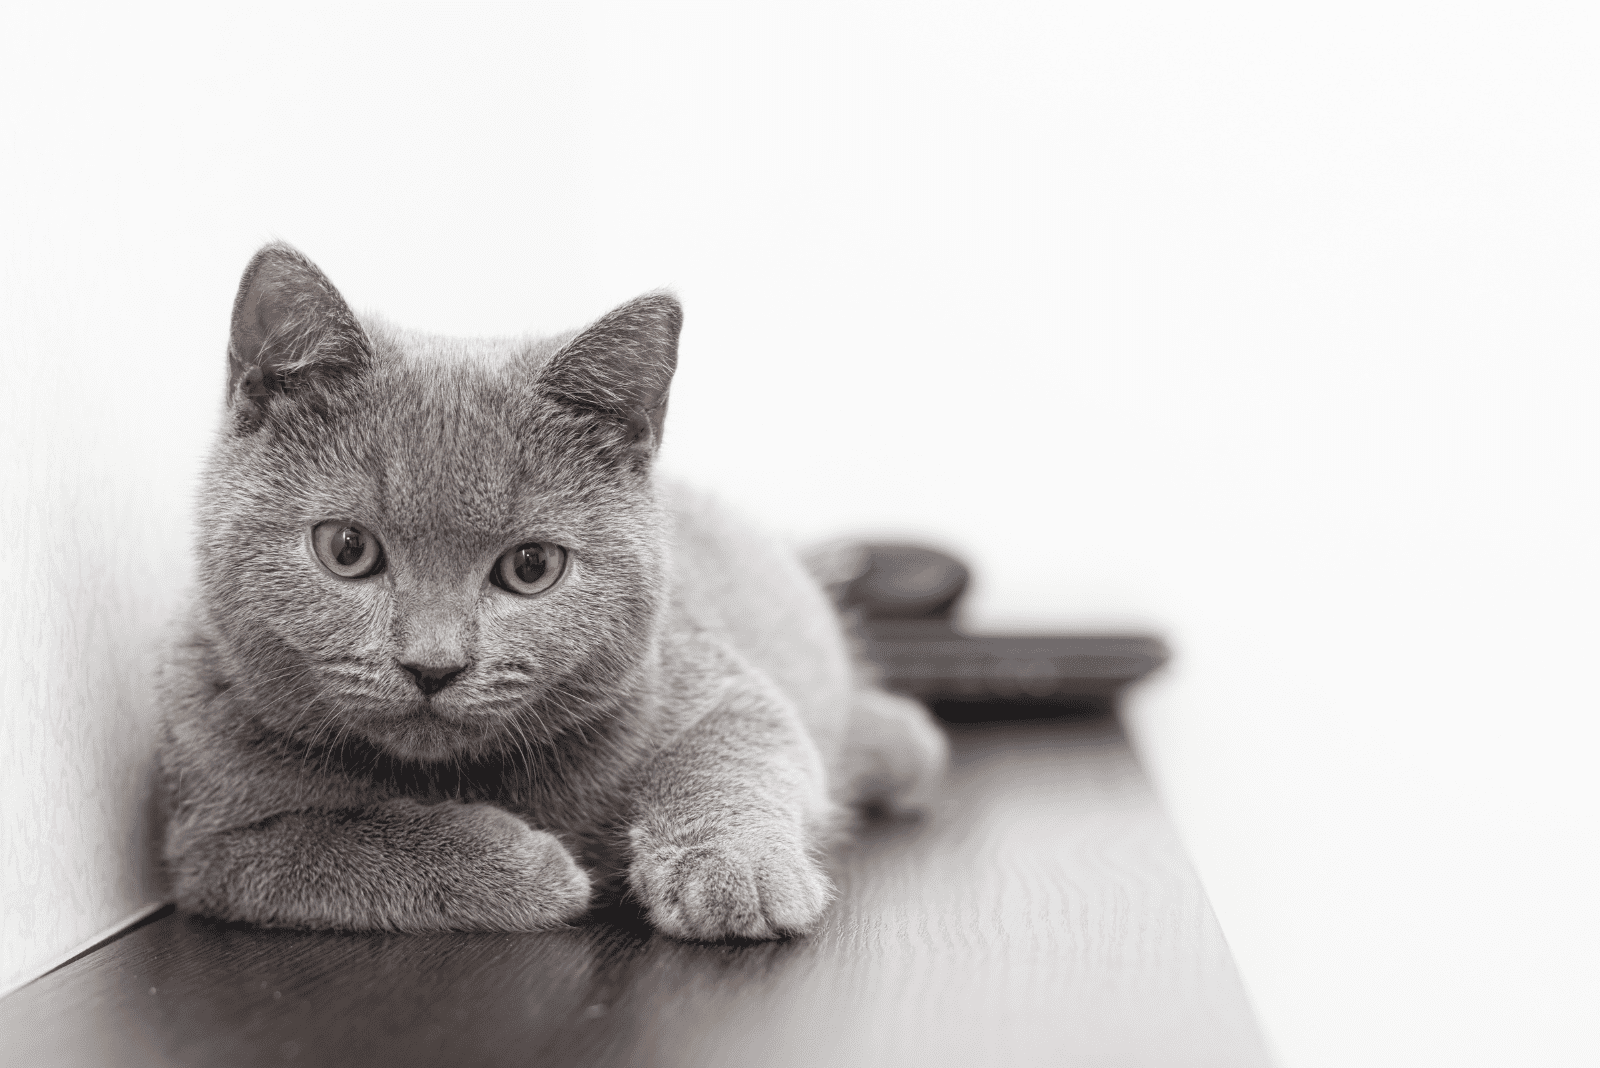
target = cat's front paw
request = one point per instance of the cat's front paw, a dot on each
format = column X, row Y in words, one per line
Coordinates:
column 722, row 890
column 526, row 880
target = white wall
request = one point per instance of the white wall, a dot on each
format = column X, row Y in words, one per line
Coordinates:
column 1274, row 330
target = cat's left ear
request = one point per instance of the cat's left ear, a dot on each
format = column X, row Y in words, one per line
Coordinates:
column 620, row 367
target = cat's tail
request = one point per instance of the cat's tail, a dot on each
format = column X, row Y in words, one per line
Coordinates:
column 896, row 755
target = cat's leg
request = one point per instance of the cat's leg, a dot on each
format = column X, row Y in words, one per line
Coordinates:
column 895, row 754
column 727, row 820
column 397, row 865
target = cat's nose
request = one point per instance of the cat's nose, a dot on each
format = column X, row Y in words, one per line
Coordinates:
column 433, row 678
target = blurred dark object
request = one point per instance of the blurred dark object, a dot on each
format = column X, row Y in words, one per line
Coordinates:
column 932, row 660
column 904, row 597
column 890, row 581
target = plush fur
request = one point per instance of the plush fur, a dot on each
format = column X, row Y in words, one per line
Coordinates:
column 677, row 718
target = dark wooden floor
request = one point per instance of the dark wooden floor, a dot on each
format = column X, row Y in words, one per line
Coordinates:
column 1045, row 914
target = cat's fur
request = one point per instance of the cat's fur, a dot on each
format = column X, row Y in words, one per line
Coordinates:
column 678, row 719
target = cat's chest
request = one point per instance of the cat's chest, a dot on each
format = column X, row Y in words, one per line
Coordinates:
column 549, row 802
column 584, row 806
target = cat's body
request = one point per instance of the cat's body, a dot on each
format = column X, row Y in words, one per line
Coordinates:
column 439, row 742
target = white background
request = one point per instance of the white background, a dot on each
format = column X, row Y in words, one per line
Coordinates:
column 1272, row 329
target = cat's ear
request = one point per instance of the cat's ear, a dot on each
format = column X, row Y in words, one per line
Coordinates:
column 292, row 332
column 620, row 368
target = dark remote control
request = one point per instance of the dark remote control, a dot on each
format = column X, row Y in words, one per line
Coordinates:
column 934, row 661
column 904, row 597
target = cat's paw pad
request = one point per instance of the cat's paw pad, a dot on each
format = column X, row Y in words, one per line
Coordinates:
column 721, row 890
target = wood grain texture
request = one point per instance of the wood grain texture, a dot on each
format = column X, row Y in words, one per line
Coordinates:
column 1044, row 914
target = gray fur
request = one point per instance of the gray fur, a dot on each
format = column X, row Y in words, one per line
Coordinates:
column 678, row 717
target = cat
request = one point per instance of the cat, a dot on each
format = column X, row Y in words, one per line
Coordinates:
column 460, row 659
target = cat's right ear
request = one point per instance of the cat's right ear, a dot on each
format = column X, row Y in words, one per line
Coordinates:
column 292, row 334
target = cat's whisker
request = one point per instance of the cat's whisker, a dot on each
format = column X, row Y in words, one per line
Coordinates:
column 526, row 749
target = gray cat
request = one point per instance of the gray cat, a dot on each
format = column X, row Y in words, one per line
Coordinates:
column 460, row 660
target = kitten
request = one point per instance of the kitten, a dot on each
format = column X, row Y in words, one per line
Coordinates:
column 459, row 660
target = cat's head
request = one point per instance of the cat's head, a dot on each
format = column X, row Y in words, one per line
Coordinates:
column 440, row 547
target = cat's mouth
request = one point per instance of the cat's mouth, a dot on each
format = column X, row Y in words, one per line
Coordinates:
column 430, row 729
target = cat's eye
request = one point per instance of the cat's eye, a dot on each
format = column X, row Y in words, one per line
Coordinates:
column 347, row 549
column 530, row 568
